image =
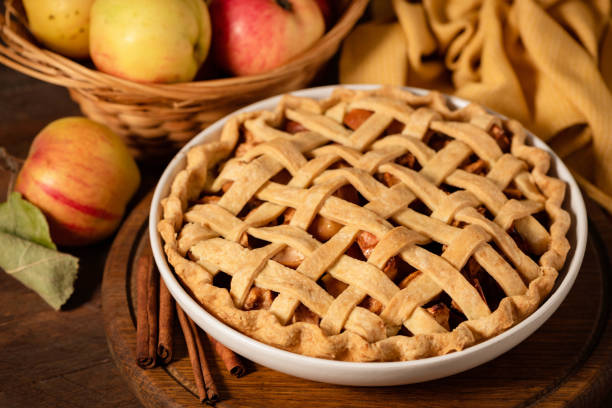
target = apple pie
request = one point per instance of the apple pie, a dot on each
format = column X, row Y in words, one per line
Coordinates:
column 369, row 226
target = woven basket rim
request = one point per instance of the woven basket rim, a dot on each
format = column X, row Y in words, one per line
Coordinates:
column 92, row 80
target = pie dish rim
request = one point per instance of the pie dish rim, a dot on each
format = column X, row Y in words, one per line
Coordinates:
column 397, row 372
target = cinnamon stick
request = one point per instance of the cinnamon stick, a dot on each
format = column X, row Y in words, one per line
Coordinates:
column 207, row 391
column 146, row 318
column 231, row 360
column 165, row 344
column 211, row 388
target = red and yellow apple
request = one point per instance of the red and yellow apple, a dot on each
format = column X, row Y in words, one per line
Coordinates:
column 81, row 175
column 160, row 41
column 61, row 25
column 256, row 36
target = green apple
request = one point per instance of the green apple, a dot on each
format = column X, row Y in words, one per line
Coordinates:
column 61, row 25
column 160, row 41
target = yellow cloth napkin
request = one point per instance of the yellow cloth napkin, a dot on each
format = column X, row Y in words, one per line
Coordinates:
column 547, row 63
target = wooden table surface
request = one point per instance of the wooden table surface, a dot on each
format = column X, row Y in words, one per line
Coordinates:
column 49, row 358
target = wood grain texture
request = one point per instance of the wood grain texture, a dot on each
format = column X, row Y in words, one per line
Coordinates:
column 568, row 362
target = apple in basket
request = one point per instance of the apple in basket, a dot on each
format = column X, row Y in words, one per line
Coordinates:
column 81, row 175
column 160, row 41
column 62, row 25
column 256, row 36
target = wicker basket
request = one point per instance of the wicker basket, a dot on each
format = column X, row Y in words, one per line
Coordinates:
column 156, row 119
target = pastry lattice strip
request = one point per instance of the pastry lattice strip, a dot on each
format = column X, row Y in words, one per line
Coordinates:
column 485, row 257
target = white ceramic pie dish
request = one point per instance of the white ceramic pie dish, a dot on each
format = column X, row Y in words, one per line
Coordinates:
column 374, row 373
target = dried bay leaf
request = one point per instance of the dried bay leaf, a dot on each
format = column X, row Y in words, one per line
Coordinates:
column 28, row 254
column 48, row 272
column 23, row 219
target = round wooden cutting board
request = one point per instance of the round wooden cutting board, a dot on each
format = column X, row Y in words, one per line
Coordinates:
column 567, row 362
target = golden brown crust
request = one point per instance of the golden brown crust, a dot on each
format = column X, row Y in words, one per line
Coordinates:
column 203, row 239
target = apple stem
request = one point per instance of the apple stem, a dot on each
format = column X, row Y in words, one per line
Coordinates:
column 8, row 162
column 286, row 4
column 12, row 165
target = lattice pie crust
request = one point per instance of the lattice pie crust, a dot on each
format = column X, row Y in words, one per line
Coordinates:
column 377, row 243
